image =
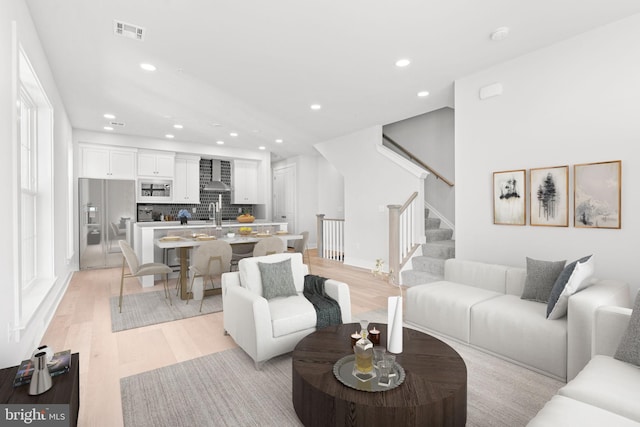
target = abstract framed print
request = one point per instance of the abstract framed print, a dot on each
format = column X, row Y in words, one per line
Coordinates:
column 597, row 194
column 509, row 197
column 549, row 204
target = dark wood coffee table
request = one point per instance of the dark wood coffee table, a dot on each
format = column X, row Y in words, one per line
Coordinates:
column 434, row 392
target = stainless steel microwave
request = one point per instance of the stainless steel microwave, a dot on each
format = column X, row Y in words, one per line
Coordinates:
column 157, row 191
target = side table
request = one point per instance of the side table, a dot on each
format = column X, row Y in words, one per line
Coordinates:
column 65, row 390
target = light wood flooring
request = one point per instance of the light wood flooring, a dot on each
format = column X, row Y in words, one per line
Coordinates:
column 82, row 323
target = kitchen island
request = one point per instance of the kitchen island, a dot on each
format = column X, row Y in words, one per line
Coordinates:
column 146, row 233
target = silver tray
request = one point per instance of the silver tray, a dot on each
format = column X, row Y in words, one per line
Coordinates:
column 343, row 371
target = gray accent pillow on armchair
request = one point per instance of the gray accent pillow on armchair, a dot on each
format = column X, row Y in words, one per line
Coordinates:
column 277, row 279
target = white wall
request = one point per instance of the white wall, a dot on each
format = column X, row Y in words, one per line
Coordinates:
column 371, row 182
column 330, row 184
column 11, row 352
column 574, row 102
column 430, row 137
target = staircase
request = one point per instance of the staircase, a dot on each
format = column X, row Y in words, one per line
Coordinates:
column 429, row 267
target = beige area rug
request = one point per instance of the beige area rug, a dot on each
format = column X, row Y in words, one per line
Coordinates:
column 224, row 389
column 150, row 308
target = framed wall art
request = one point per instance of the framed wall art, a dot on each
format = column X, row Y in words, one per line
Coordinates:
column 549, row 204
column 596, row 194
column 509, row 197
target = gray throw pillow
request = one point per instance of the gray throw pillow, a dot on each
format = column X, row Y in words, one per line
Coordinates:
column 541, row 276
column 561, row 282
column 277, row 279
column 629, row 348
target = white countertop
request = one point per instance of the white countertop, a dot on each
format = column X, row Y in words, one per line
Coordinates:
column 173, row 225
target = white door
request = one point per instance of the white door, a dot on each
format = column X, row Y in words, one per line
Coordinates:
column 284, row 196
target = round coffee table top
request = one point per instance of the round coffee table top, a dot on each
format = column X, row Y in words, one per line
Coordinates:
column 434, row 391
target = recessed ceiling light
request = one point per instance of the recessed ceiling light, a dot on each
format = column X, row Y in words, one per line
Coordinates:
column 233, row 134
column 279, row 141
column 177, row 126
column 216, row 125
column 262, row 147
column 315, row 106
column 108, row 128
column 220, row 142
column 109, row 116
column 169, row 136
column 500, row 34
column 423, row 93
column 148, row 67
column 402, row 62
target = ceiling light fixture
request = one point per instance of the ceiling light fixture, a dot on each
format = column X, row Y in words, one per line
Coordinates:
column 315, row 107
column 279, row 141
column 147, row 67
column 108, row 128
column 233, row 134
column 262, row 147
column 500, row 34
column 109, row 116
column 177, row 126
column 423, row 93
column 220, row 142
column 402, row 62
column 169, row 136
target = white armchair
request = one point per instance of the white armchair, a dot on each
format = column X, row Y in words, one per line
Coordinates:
column 268, row 328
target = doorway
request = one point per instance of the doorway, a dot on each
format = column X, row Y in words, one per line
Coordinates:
column 284, row 196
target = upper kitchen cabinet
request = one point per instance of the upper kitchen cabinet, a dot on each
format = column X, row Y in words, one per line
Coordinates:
column 104, row 162
column 156, row 163
column 244, row 180
column 187, row 180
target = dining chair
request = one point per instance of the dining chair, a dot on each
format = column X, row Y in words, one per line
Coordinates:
column 210, row 260
column 269, row 246
column 136, row 269
column 300, row 246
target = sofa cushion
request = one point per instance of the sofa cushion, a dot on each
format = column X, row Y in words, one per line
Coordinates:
column 515, row 279
column 477, row 274
column 577, row 281
column 629, row 348
column 518, row 330
column 562, row 411
column 277, row 279
column 444, row 306
column 251, row 279
column 291, row 314
column 541, row 275
column 608, row 384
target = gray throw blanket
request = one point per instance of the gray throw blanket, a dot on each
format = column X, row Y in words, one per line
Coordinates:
column 327, row 309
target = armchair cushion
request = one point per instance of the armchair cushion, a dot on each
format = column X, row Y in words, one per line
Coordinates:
column 291, row 314
column 277, row 279
column 251, row 278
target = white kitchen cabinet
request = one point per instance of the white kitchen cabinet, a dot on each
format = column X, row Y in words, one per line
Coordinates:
column 244, row 181
column 104, row 162
column 158, row 164
column 186, row 183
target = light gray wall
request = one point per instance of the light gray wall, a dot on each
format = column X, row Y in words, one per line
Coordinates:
column 430, row 137
column 574, row 102
column 31, row 332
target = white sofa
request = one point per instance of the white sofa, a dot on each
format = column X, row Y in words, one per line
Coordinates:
column 479, row 304
column 607, row 391
column 268, row 328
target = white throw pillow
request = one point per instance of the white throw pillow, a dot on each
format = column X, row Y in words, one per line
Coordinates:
column 578, row 281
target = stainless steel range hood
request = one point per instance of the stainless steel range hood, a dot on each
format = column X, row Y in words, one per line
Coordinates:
column 216, row 183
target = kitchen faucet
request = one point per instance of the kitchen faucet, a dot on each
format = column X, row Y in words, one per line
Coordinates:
column 217, row 214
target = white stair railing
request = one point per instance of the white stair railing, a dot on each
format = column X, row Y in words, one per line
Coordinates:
column 330, row 237
column 402, row 236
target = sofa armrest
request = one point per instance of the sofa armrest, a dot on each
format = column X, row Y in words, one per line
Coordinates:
column 580, row 319
column 610, row 324
column 339, row 291
column 246, row 317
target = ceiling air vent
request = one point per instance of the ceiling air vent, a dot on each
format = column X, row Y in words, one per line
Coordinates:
column 120, row 124
column 128, row 30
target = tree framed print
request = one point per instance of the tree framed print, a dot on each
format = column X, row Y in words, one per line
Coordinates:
column 509, row 197
column 597, row 194
column 549, row 204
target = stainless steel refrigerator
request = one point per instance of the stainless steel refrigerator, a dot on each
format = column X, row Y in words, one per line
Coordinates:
column 107, row 211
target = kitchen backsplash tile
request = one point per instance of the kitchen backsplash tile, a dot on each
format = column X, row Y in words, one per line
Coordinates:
column 229, row 211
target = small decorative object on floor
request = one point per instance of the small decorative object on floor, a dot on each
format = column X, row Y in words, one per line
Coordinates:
column 184, row 215
column 363, row 368
column 41, row 378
